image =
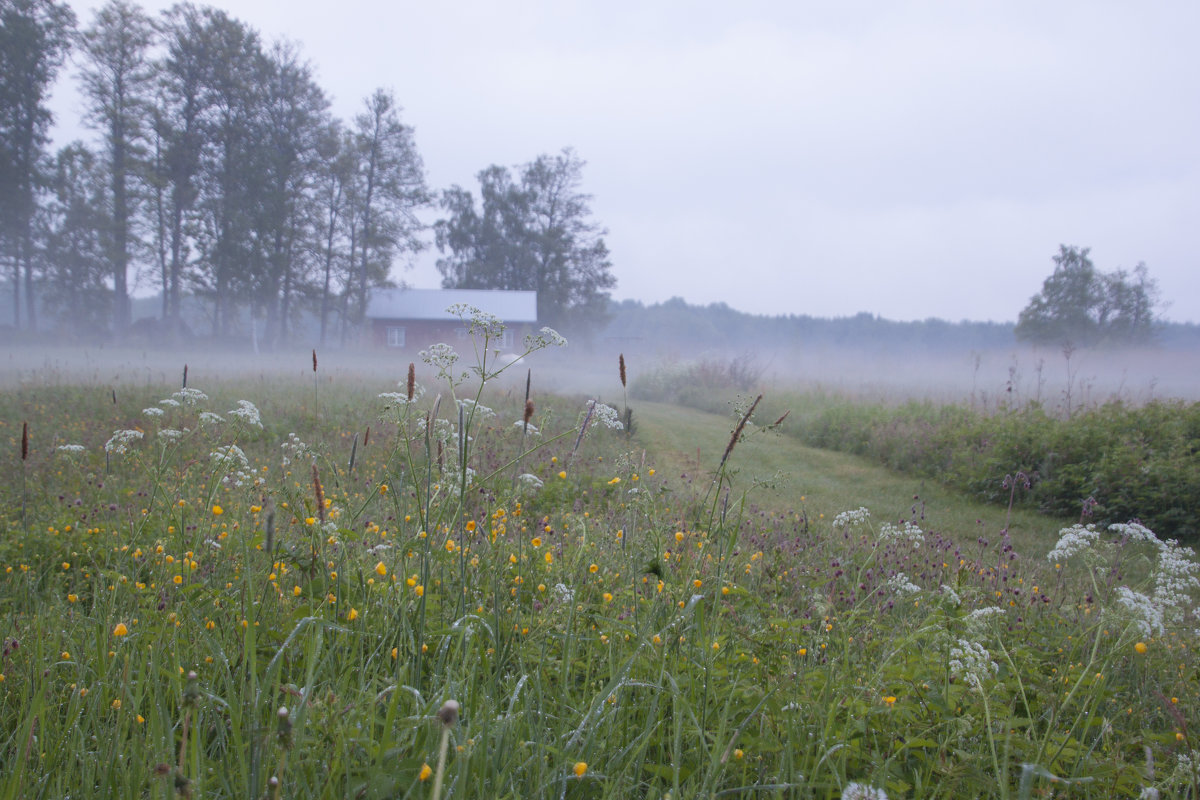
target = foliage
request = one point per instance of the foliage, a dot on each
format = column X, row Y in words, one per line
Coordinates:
column 181, row 622
column 35, row 36
column 531, row 234
column 1081, row 306
column 1119, row 461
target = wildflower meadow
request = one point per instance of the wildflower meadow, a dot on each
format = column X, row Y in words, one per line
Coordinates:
column 450, row 583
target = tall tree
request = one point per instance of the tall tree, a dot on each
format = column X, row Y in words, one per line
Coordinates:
column 75, row 228
column 535, row 233
column 391, row 189
column 294, row 119
column 117, row 79
column 178, row 137
column 35, row 36
column 1083, row 306
column 334, row 190
column 235, row 73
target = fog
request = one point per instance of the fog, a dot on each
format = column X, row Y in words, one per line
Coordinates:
column 983, row 378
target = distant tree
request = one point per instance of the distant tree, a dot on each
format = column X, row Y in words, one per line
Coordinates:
column 294, row 120
column 534, row 233
column 117, row 81
column 76, row 228
column 334, row 189
column 390, row 189
column 35, row 36
column 1082, row 306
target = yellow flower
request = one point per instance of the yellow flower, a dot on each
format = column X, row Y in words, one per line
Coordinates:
column 594, row 568
column 120, row 630
column 890, row 700
column 471, row 526
column 679, row 536
column 537, row 541
column 352, row 615
column 580, row 768
column 426, row 773
column 381, row 569
column 140, row 719
column 697, row 583
column 608, row 597
column 563, row 474
column 178, row 579
column 116, row 703
column 218, row 511
column 419, row 590
column 383, row 488
column 738, row 754
column 1140, row 648
column 71, row 598
column 296, row 590
column 395, row 653
column 549, row 558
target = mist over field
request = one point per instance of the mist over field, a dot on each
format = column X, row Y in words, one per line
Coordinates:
column 985, row 379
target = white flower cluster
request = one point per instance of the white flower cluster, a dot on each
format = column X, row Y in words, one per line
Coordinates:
column 901, row 585
column 971, row 662
column 1175, row 579
column 153, row 411
column 170, row 434
column 951, row 596
column 170, row 402
column 1147, row 615
column 472, row 409
column 861, row 791
column 209, row 418
column 607, row 416
column 1072, row 541
column 71, row 449
column 850, row 519
column 478, row 321
column 546, row 337
column 977, row 620
column 563, row 593
column 1133, row 532
column 529, row 480
column 230, row 456
column 907, row 533
column 529, row 429
column 120, row 441
column 293, row 449
column 232, row 459
column 189, row 397
column 440, row 356
column 248, row 413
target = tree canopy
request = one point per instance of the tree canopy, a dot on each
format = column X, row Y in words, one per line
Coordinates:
column 1080, row 305
column 532, row 232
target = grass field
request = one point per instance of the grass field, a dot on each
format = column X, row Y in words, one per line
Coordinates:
column 273, row 601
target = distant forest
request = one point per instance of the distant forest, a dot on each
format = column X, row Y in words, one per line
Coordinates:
column 677, row 326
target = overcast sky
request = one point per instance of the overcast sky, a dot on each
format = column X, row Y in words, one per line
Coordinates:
column 909, row 159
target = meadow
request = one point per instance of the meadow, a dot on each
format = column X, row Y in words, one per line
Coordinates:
column 446, row 584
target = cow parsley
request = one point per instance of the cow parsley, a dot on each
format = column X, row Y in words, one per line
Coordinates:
column 851, row 519
column 120, row 441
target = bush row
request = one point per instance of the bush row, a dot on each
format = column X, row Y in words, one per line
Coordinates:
column 1115, row 461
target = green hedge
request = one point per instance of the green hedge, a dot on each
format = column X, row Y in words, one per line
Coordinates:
column 1135, row 462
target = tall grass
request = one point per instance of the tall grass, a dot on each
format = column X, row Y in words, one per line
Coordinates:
column 604, row 631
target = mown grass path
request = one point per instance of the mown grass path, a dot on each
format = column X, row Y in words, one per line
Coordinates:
column 684, row 441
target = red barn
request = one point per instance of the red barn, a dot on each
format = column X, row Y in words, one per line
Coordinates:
column 413, row 319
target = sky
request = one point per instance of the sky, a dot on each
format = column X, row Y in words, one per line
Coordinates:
column 906, row 158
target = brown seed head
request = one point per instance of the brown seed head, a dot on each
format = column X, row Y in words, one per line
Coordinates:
column 448, row 713
column 621, row 361
column 528, row 411
column 412, row 380
column 24, row 441
column 319, row 493
column 314, row 359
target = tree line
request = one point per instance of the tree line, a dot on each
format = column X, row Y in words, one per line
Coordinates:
column 218, row 172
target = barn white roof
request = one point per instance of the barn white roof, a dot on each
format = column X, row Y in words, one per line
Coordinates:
column 431, row 304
